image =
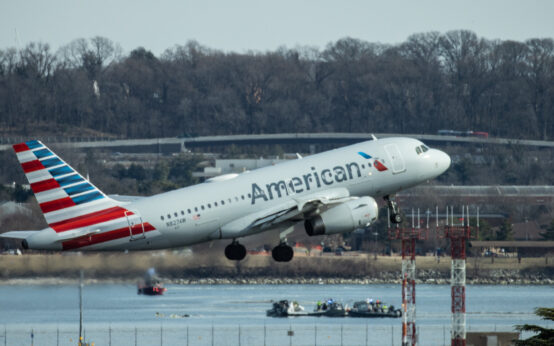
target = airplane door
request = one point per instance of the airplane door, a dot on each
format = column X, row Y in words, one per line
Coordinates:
column 395, row 158
column 136, row 226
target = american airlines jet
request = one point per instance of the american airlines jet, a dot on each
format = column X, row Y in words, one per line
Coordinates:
column 331, row 192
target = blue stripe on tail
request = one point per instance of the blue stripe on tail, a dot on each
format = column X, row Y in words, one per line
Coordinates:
column 87, row 198
column 78, row 188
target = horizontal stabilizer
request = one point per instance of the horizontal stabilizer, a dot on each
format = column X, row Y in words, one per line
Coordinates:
column 18, row 234
column 65, row 236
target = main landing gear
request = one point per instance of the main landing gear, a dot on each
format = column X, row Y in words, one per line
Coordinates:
column 235, row 251
column 282, row 253
column 395, row 216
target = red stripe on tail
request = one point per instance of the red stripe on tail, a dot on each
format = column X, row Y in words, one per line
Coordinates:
column 44, row 185
column 20, row 147
column 32, row 166
column 56, row 204
column 90, row 219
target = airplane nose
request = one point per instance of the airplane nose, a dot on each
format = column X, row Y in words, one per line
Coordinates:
column 443, row 161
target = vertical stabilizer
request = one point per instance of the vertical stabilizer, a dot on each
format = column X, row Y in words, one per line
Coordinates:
column 64, row 195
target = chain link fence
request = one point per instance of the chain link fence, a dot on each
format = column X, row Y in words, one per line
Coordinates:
column 242, row 335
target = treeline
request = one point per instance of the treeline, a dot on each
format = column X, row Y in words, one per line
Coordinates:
column 431, row 81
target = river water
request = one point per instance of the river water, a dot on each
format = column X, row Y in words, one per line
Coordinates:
column 235, row 314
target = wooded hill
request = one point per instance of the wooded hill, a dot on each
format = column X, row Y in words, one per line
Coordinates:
column 429, row 82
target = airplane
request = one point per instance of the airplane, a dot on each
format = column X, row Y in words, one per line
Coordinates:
column 330, row 192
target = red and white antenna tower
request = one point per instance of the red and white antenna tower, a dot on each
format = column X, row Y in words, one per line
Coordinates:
column 408, row 236
column 458, row 233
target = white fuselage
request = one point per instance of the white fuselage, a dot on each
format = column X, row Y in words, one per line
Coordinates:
column 210, row 210
column 215, row 204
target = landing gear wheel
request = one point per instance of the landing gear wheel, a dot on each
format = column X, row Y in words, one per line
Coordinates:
column 235, row 251
column 395, row 216
column 282, row 253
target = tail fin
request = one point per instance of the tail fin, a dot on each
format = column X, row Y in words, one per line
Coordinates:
column 62, row 193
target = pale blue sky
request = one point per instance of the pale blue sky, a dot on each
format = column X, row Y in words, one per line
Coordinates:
column 242, row 25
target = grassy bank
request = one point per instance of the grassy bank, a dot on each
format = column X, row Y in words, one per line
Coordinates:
column 198, row 266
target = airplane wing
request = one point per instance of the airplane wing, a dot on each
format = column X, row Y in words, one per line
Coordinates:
column 287, row 213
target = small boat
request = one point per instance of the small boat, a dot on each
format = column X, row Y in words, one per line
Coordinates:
column 150, row 285
column 371, row 310
column 330, row 309
column 151, row 290
column 284, row 308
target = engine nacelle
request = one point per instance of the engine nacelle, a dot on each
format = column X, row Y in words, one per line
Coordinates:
column 345, row 217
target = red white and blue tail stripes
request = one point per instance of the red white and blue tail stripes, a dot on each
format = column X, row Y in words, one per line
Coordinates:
column 61, row 192
column 71, row 204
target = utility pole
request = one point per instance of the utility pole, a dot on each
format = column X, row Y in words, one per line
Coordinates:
column 458, row 233
column 408, row 236
column 81, row 308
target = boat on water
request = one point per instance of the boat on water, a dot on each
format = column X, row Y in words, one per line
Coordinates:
column 151, row 290
column 371, row 310
column 150, row 285
column 284, row 308
column 331, row 308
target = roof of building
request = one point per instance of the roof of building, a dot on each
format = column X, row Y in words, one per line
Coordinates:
column 509, row 243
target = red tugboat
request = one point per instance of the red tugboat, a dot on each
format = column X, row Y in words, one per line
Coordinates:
column 150, row 285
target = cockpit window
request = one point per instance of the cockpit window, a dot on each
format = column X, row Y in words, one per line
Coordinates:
column 418, row 150
column 424, row 148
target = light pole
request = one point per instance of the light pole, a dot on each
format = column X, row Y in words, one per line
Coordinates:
column 375, row 246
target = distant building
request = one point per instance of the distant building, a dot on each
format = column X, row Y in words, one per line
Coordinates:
column 528, row 230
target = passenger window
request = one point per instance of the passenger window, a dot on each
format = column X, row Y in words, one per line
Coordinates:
column 209, row 205
column 222, row 202
column 202, row 207
column 195, row 208
column 215, row 204
column 175, row 214
column 188, row 210
column 249, row 195
column 230, row 200
column 169, row 216
column 418, row 150
column 242, row 196
column 182, row 212
column 236, row 198
column 162, row 217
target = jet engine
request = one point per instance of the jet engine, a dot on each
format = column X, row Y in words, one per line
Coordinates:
column 345, row 217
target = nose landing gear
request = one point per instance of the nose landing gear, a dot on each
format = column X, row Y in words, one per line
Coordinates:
column 395, row 216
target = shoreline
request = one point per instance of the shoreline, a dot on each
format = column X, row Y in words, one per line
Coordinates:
column 274, row 281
